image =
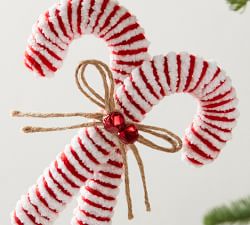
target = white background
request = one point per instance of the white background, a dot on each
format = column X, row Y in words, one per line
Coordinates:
column 179, row 194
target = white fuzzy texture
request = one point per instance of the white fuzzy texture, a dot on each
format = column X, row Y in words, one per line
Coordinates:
column 143, row 104
column 59, row 194
column 55, row 22
column 172, row 69
column 21, row 215
column 76, row 164
column 92, row 20
column 107, row 179
column 211, row 70
column 113, row 21
column 143, row 88
column 127, row 35
column 130, row 58
column 42, row 23
column 226, row 106
column 75, row 4
column 188, row 152
column 45, row 53
column 225, row 87
column 197, row 72
column 197, row 142
column 104, row 190
column 159, row 64
column 104, row 16
column 100, row 141
column 185, row 62
column 226, row 125
column 29, row 208
column 228, row 97
column 81, row 153
column 127, row 104
column 209, row 138
column 53, row 204
column 135, row 45
column 90, row 146
column 226, row 136
column 94, row 210
column 68, row 173
column 88, row 220
column 36, row 58
column 121, row 67
column 63, row 12
column 230, row 115
column 117, row 30
column 149, row 74
column 97, row 199
column 43, row 210
column 221, row 77
column 39, row 38
column 58, row 177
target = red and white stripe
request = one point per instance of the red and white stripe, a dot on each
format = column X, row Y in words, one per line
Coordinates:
column 92, row 159
column 70, row 19
column 177, row 73
column 99, row 196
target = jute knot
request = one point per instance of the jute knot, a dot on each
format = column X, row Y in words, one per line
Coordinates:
column 108, row 105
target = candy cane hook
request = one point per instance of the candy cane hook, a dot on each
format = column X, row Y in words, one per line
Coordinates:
column 176, row 73
column 71, row 19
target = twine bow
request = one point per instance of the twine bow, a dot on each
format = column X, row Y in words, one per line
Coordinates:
column 108, row 105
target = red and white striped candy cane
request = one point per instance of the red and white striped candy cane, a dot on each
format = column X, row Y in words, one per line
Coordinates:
column 92, row 160
column 177, row 73
column 70, row 19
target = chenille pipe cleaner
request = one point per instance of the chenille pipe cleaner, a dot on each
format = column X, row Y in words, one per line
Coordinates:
column 68, row 20
column 165, row 75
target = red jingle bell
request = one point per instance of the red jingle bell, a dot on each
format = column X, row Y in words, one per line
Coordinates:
column 114, row 122
column 129, row 134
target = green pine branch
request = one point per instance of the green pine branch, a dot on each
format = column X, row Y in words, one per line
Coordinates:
column 236, row 213
column 238, row 4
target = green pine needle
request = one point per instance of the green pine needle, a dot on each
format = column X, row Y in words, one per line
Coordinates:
column 236, row 213
column 238, row 4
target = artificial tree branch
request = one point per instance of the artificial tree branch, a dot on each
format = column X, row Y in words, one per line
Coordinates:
column 237, row 212
column 238, row 4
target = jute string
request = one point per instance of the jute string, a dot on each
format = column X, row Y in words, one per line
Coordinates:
column 107, row 104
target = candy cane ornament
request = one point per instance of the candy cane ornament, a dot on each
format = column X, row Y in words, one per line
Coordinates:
column 176, row 73
column 71, row 19
column 93, row 160
column 48, row 44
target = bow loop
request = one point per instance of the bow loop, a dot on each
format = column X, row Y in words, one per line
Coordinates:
column 162, row 133
column 107, row 103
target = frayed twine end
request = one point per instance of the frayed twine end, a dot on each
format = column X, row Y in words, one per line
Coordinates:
column 28, row 129
column 15, row 113
column 130, row 216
